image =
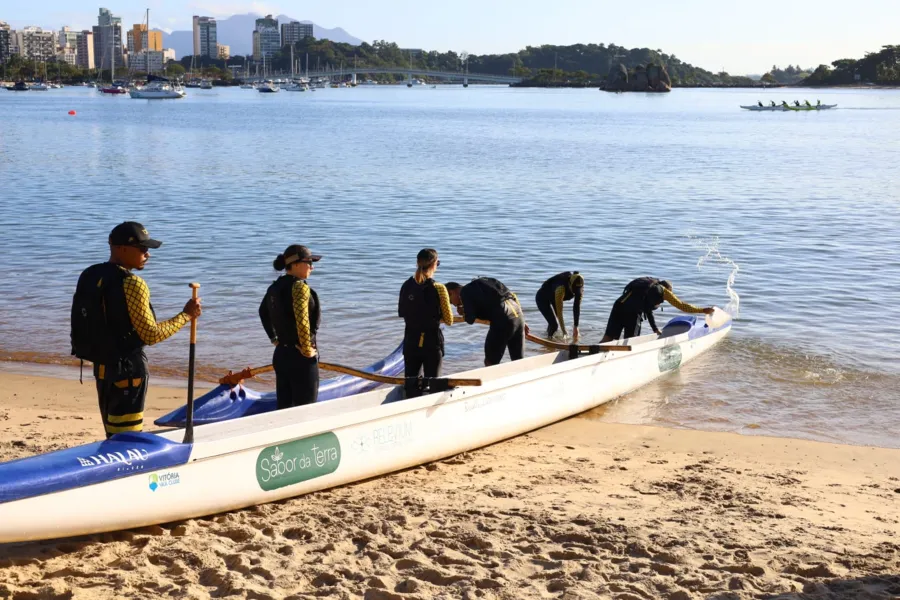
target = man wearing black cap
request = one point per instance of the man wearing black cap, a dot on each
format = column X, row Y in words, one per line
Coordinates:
column 112, row 321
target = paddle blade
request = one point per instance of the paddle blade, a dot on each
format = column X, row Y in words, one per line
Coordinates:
column 718, row 318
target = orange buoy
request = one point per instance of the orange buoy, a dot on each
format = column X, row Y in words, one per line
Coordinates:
column 72, row 112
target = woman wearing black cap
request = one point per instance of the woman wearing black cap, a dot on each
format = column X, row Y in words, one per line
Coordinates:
column 290, row 314
column 424, row 305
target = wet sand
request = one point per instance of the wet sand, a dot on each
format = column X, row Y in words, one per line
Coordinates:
column 580, row 509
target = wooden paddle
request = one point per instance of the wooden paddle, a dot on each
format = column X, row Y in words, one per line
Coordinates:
column 593, row 348
column 233, row 378
column 189, row 421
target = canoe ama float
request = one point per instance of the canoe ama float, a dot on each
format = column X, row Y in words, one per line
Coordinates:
column 225, row 402
column 139, row 479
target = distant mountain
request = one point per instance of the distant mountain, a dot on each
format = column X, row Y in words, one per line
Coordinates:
column 237, row 31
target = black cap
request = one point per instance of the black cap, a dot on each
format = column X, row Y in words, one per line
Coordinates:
column 131, row 233
column 300, row 253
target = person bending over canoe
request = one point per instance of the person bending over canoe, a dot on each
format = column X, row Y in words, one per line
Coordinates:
column 772, row 102
column 112, row 322
column 290, row 313
column 488, row 300
column 638, row 300
column 423, row 305
column 550, row 297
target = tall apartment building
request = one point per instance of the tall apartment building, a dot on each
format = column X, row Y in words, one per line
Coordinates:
column 4, row 43
column 108, row 40
column 138, row 38
column 34, row 43
column 293, row 32
column 84, row 50
column 266, row 38
column 67, row 37
column 205, row 37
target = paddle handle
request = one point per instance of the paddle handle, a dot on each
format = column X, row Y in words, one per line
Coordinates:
column 189, row 421
column 194, row 291
column 385, row 378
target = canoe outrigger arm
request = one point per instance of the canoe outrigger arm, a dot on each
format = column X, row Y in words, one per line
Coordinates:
column 434, row 383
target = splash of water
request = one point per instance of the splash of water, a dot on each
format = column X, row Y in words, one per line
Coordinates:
column 714, row 256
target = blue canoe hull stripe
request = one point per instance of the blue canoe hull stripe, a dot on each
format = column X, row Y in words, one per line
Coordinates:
column 123, row 455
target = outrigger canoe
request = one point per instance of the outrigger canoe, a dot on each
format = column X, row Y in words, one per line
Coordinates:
column 780, row 108
column 226, row 402
column 139, row 479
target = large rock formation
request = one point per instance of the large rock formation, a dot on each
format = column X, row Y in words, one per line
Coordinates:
column 639, row 81
column 658, row 78
column 653, row 78
column 617, row 80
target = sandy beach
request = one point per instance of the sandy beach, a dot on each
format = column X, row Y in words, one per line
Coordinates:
column 579, row 509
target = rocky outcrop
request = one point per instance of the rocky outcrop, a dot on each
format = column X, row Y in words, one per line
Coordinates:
column 652, row 78
column 617, row 80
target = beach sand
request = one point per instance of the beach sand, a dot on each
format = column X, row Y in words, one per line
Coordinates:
column 580, row 509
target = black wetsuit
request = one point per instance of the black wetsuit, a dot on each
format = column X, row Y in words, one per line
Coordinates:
column 290, row 314
column 488, row 299
column 638, row 300
column 564, row 284
column 423, row 342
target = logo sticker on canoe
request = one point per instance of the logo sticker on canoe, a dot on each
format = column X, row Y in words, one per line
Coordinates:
column 669, row 358
column 300, row 460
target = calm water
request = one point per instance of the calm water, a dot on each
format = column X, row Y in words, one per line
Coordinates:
column 516, row 184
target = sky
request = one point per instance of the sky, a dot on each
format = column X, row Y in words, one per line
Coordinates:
column 742, row 37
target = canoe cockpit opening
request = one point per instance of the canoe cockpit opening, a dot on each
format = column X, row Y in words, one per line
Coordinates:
column 677, row 326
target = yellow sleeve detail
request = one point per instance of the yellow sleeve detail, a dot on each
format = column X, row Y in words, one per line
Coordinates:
column 444, row 300
column 300, row 296
column 558, row 298
column 137, row 298
column 679, row 304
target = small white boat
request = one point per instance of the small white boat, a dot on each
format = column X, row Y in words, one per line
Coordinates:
column 296, row 87
column 267, row 88
column 206, row 84
column 788, row 108
column 156, row 478
column 39, row 87
column 158, row 88
column 248, row 86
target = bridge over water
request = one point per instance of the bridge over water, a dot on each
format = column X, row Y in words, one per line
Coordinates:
column 410, row 73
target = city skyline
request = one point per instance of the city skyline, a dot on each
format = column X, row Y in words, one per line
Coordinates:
column 701, row 32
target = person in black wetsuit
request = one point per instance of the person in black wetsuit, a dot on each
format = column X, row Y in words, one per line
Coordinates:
column 290, row 313
column 127, row 323
column 424, row 304
column 488, row 300
column 550, row 297
column 638, row 301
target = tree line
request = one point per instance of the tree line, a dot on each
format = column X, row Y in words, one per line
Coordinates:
column 880, row 68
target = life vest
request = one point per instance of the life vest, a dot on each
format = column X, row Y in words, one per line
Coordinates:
column 101, row 327
column 487, row 296
column 568, row 280
column 643, row 292
column 280, row 303
column 420, row 308
column 419, row 305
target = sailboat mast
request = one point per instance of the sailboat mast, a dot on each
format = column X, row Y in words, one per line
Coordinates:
column 147, row 47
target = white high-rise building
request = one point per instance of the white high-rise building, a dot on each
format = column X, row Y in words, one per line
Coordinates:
column 266, row 38
column 205, row 37
column 34, row 43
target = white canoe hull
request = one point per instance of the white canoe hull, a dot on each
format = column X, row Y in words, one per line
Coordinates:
column 269, row 457
column 779, row 108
